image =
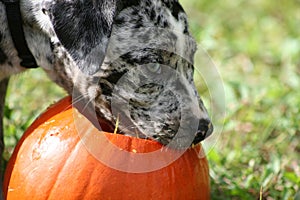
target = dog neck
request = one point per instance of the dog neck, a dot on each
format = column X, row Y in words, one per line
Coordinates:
column 36, row 32
column 14, row 19
column 9, row 60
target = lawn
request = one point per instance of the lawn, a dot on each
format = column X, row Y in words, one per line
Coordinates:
column 255, row 48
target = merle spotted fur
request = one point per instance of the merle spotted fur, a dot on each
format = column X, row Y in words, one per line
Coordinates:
column 133, row 58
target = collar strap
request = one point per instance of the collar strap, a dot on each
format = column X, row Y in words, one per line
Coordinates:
column 14, row 20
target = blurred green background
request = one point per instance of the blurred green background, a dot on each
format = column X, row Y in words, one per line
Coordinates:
column 256, row 48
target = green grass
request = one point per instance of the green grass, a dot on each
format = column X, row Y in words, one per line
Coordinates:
column 256, row 47
column 28, row 95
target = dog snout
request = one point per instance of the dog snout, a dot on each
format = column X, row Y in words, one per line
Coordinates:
column 205, row 129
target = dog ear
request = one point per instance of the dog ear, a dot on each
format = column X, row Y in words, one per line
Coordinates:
column 84, row 27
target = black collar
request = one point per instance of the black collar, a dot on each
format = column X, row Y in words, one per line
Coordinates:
column 14, row 20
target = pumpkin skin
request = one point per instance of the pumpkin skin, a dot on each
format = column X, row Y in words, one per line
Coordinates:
column 51, row 162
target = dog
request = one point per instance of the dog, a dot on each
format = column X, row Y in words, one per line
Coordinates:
column 131, row 61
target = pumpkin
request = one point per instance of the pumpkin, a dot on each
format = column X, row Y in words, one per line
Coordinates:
column 53, row 161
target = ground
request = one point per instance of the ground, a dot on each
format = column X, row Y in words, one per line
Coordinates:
column 255, row 46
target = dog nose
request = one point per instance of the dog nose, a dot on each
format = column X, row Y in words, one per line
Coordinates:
column 205, row 129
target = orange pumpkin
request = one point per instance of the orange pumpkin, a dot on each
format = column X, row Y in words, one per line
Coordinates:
column 53, row 161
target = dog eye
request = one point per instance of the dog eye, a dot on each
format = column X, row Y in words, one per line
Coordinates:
column 154, row 68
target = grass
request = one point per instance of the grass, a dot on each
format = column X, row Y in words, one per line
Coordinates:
column 28, row 95
column 256, row 47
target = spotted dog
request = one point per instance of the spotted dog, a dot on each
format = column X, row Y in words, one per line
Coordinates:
column 130, row 61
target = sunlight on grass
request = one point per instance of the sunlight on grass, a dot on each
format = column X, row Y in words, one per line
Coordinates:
column 29, row 94
column 256, row 46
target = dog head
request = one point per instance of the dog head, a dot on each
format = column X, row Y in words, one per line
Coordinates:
column 135, row 63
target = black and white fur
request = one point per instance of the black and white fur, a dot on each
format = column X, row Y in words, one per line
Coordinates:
column 89, row 46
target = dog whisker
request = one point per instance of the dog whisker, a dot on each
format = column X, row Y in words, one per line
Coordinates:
column 79, row 98
column 87, row 104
